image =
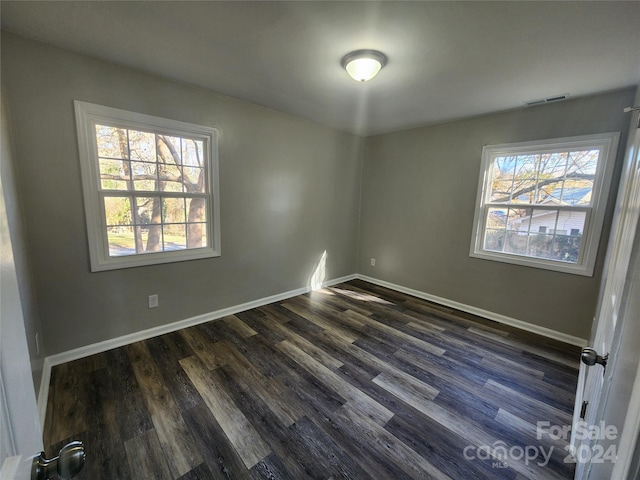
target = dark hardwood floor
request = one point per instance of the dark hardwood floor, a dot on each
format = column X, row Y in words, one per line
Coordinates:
column 352, row 381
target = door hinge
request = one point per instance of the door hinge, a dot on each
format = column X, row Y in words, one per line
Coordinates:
column 583, row 410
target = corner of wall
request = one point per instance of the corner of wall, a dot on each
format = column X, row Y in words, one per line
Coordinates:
column 16, row 228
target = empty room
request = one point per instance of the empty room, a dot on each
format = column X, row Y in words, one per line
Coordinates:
column 320, row 240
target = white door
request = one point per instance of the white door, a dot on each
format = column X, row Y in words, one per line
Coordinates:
column 593, row 384
column 20, row 430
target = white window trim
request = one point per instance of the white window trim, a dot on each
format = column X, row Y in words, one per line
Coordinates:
column 608, row 143
column 87, row 116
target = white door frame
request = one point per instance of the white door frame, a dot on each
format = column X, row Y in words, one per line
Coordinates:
column 611, row 303
column 629, row 438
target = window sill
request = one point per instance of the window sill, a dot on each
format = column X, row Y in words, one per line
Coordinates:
column 571, row 268
column 141, row 260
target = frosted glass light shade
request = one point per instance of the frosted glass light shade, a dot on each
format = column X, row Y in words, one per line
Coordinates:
column 363, row 65
column 363, row 69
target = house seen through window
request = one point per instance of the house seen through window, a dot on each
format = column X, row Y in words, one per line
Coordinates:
column 542, row 203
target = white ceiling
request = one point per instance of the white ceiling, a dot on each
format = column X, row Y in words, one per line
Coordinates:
column 447, row 60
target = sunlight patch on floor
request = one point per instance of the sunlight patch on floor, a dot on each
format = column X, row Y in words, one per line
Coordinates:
column 360, row 296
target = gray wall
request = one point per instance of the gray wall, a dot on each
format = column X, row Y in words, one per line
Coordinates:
column 418, row 199
column 290, row 190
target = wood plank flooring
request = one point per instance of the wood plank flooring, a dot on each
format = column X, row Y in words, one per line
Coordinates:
column 350, row 382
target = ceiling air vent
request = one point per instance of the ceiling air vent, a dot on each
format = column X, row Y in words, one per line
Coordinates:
column 557, row 98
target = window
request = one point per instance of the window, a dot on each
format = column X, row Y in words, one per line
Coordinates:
column 150, row 188
column 541, row 204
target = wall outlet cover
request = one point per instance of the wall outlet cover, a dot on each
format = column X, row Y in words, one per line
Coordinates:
column 153, row 301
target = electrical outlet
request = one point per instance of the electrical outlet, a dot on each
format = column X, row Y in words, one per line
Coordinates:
column 373, row 262
column 153, row 300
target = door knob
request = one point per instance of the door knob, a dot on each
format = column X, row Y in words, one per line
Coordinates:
column 66, row 465
column 590, row 357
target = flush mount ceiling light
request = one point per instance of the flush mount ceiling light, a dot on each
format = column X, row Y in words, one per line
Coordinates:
column 363, row 65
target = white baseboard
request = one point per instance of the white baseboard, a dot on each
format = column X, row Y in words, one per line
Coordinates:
column 43, row 392
column 81, row 352
column 77, row 353
column 545, row 332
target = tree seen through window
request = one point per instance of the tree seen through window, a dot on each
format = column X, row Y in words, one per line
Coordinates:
column 154, row 188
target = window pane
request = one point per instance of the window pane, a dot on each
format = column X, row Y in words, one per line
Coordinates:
column 524, row 191
column 580, row 177
column 501, row 191
column 150, row 237
column 526, row 166
column 503, row 168
column 170, row 178
column 494, row 240
column 142, row 146
column 518, row 219
column 570, row 221
column 577, row 192
column 193, row 151
column 169, row 150
column 540, row 246
column 551, row 193
column 516, row 242
column 543, row 220
column 584, row 196
column 173, row 210
column 195, row 178
column 175, row 237
column 111, row 141
column 154, row 239
column 121, row 241
column 144, row 175
column 583, row 162
column 196, row 211
column 114, row 174
column 149, row 210
column 196, row 235
column 118, row 211
column 171, row 186
column 497, row 218
column 553, row 165
column 566, row 248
